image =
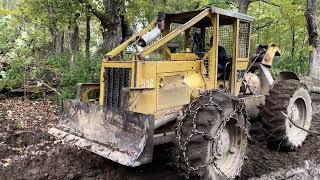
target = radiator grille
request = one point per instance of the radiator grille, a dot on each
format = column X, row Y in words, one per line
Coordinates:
column 114, row 80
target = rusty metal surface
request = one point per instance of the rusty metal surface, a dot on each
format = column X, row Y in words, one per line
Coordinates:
column 272, row 51
column 85, row 90
column 164, row 138
column 266, row 79
column 128, row 135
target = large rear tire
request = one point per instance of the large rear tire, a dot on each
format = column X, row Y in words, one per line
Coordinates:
column 212, row 137
column 292, row 98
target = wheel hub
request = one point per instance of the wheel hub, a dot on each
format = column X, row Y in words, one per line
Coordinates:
column 297, row 113
column 223, row 144
column 227, row 149
column 295, row 116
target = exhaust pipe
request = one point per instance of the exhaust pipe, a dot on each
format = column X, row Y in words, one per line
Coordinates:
column 152, row 35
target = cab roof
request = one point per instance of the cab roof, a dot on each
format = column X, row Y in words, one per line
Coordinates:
column 226, row 17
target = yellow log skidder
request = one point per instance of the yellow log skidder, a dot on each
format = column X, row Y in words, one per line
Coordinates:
column 187, row 78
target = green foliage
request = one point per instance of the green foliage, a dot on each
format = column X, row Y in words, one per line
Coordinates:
column 82, row 71
column 28, row 27
column 146, row 10
column 282, row 23
column 15, row 75
column 55, row 71
column 26, row 45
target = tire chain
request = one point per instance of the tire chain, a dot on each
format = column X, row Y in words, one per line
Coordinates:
column 239, row 108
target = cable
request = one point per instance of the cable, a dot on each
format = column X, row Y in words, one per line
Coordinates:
column 306, row 130
column 263, row 51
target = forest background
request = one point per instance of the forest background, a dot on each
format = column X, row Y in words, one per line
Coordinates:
column 59, row 43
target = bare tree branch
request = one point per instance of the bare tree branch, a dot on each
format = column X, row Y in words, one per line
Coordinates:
column 267, row 24
column 299, row 127
column 96, row 12
column 266, row 1
column 271, row 3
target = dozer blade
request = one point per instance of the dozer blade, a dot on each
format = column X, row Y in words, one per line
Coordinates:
column 122, row 136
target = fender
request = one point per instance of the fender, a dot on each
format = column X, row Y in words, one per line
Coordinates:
column 267, row 81
column 286, row 75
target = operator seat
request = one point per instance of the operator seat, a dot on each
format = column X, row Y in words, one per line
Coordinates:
column 224, row 64
column 222, row 59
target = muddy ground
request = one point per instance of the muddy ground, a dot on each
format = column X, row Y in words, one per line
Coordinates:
column 28, row 152
column 263, row 160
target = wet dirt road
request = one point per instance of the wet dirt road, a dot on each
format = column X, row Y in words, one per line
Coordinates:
column 28, row 152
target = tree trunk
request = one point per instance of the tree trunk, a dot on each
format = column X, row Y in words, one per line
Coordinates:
column 312, row 27
column 243, row 6
column 112, row 34
column 293, row 43
column 110, row 19
column 74, row 37
column 88, row 35
column 59, row 43
column 57, row 37
column 111, row 23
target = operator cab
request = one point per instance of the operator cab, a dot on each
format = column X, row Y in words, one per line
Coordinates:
column 199, row 40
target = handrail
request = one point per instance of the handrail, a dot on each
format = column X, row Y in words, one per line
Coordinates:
column 174, row 33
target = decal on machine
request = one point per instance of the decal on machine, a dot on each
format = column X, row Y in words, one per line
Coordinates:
column 240, row 75
column 149, row 83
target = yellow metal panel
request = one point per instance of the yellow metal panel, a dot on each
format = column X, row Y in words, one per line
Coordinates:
column 101, row 98
column 172, row 91
column 242, row 65
column 234, row 57
column 143, row 101
column 268, row 57
column 133, row 73
column 243, row 59
column 84, row 91
column 213, row 60
column 177, row 66
column 183, row 57
column 210, row 84
column 146, row 74
column 195, row 81
column 241, row 68
column 117, row 64
column 238, row 86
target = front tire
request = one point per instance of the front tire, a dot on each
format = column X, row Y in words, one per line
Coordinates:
column 212, row 137
column 292, row 98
